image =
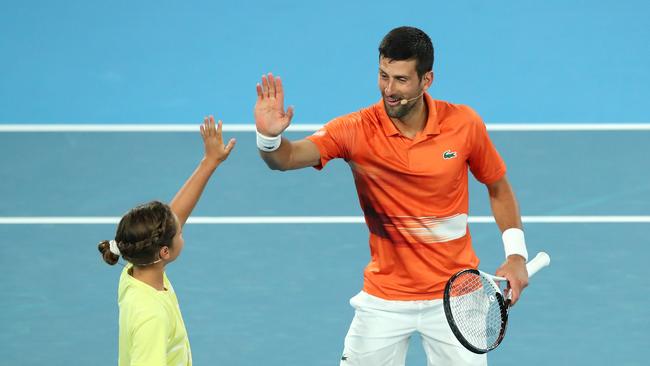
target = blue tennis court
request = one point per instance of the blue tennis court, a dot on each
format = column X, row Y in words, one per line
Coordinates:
column 278, row 293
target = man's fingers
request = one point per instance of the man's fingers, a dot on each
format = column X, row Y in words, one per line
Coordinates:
column 278, row 86
column 258, row 87
column 514, row 297
column 265, row 86
column 279, row 90
column 271, row 86
column 516, row 290
column 290, row 113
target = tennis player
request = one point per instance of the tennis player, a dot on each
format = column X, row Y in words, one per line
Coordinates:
column 409, row 155
column 149, row 237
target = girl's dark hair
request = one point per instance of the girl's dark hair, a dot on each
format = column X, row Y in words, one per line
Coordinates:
column 141, row 233
column 406, row 43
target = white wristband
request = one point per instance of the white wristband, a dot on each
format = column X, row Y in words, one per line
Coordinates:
column 514, row 243
column 268, row 144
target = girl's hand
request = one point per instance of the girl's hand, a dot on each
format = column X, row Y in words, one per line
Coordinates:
column 215, row 151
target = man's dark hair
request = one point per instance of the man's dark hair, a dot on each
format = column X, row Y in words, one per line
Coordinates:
column 407, row 43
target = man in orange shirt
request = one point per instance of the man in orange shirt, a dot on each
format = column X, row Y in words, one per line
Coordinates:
column 410, row 156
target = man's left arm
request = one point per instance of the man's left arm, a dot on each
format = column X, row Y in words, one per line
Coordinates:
column 506, row 214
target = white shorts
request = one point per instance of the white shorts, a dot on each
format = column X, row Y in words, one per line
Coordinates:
column 380, row 332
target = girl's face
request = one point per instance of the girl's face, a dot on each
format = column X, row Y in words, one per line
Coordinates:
column 177, row 244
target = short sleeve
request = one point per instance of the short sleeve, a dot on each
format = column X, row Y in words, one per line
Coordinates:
column 149, row 341
column 336, row 138
column 485, row 163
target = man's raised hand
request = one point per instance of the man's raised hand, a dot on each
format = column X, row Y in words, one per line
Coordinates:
column 270, row 116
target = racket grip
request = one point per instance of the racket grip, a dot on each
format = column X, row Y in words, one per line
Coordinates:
column 540, row 261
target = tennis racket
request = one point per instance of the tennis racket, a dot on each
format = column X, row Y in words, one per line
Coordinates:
column 477, row 308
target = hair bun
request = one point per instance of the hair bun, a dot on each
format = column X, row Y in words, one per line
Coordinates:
column 109, row 257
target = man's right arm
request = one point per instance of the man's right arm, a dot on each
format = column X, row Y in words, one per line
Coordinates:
column 271, row 120
column 292, row 155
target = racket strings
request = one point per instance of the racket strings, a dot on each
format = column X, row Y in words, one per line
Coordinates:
column 476, row 308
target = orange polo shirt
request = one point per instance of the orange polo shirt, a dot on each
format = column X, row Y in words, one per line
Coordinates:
column 413, row 192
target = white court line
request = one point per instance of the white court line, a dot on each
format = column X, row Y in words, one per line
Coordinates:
column 187, row 127
column 193, row 127
column 220, row 220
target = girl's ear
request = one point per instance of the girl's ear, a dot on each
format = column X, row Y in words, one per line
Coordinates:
column 164, row 252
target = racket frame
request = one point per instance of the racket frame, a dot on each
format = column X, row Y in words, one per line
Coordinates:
column 504, row 306
column 540, row 261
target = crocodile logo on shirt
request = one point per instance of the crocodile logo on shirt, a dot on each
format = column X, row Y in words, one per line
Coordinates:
column 449, row 154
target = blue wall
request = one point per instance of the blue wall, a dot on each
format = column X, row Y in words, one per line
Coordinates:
column 175, row 61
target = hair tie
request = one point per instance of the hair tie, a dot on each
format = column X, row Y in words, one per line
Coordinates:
column 112, row 245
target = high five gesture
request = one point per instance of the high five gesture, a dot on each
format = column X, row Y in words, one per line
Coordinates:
column 270, row 116
column 271, row 120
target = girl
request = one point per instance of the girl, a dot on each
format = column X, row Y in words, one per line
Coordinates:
column 149, row 237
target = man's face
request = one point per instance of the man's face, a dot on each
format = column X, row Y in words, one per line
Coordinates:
column 399, row 80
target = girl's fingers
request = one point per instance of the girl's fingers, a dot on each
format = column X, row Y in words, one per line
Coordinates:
column 219, row 128
column 230, row 146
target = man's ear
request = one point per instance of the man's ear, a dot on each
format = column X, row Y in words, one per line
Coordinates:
column 428, row 79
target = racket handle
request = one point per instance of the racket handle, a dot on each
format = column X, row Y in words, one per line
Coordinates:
column 540, row 261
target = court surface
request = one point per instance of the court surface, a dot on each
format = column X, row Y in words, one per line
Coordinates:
column 278, row 293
